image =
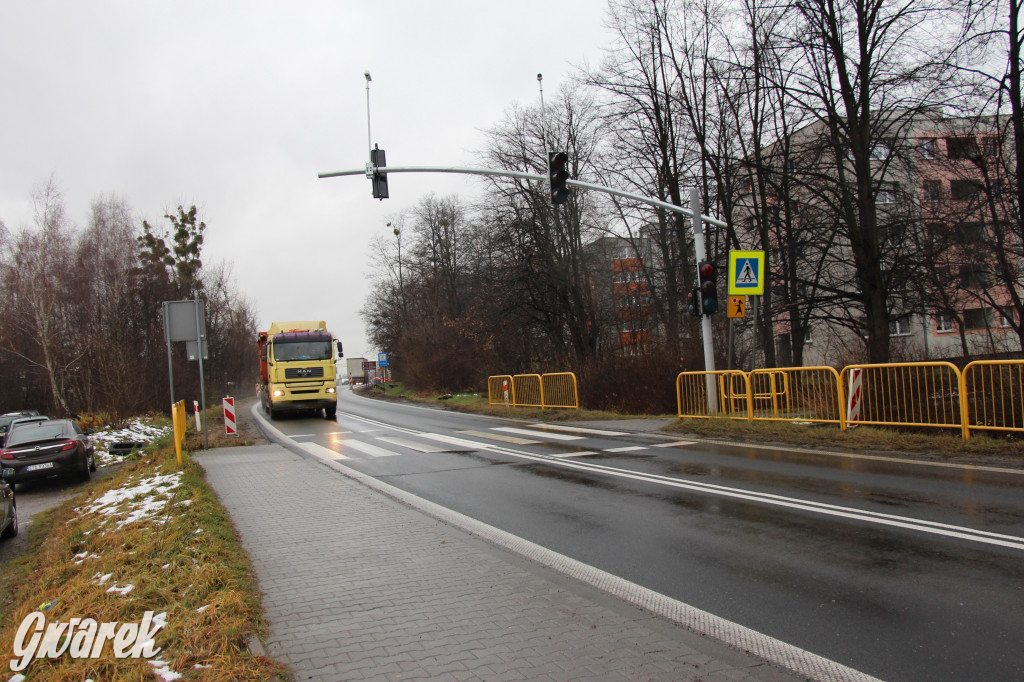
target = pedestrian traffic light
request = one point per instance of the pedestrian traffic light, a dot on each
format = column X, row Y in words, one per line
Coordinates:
column 708, row 287
column 558, row 173
column 693, row 301
column 380, row 180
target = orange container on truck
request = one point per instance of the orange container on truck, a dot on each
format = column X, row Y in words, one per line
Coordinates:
column 297, row 368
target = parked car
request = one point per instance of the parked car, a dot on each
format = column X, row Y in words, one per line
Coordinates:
column 8, row 510
column 8, row 417
column 55, row 447
column 19, row 421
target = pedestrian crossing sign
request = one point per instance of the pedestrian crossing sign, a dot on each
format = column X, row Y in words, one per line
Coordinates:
column 746, row 273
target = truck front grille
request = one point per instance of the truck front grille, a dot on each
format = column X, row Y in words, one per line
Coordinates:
column 304, row 373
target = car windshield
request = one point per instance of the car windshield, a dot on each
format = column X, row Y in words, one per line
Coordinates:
column 6, row 421
column 41, row 431
column 303, row 350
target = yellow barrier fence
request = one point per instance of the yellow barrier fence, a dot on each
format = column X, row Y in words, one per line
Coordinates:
column 906, row 394
column 557, row 389
column 806, row 394
column 180, row 422
column 560, row 390
column 501, row 390
column 733, row 387
column 992, row 395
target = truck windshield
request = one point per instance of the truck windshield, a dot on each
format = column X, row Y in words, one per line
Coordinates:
column 304, row 350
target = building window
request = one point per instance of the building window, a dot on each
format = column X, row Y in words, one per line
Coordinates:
column 926, row 147
column 808, row 337
column 990, row 147
column 975, row 318
column 975, row 276
column 932, row 190
column 900, row 326
column 886, row 192
column 962, row 190
column 970, row 233
column 1005, row 320
column 879, row 151
column 962, row 148
column 943, row 322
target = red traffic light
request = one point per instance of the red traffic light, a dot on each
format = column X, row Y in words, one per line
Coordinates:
column 707, row 271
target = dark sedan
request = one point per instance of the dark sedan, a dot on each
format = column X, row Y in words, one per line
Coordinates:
column 57, row 447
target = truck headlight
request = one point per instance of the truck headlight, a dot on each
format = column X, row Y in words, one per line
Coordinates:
column 331, row 389
column 278, row 393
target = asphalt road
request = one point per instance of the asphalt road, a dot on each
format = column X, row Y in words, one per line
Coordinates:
column 902, row 570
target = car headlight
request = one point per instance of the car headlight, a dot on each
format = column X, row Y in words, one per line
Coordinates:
column 278, row 393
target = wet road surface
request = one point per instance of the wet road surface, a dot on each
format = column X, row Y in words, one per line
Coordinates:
column 903, row 570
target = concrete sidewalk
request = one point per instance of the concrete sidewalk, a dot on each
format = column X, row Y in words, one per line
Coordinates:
column 362, row 581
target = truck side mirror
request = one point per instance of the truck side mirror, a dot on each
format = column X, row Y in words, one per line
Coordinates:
column 340, row 354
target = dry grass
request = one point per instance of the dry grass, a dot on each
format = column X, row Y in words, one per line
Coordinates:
column 181, row 559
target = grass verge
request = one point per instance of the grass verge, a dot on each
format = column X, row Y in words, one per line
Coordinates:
column 151, row 537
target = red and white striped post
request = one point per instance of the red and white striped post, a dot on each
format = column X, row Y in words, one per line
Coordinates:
column 229, row 417
column 855, row 399
column 195, row 411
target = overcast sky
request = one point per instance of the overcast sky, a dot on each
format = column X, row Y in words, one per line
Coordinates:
column 236, row 106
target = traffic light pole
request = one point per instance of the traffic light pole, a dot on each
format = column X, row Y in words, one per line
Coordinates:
column 701, row 252
column 695, row 214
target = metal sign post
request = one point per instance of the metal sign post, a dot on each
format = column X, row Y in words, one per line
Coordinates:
column 186, row 321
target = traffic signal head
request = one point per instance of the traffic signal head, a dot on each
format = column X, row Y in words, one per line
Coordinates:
column 380, row 180
column 693, row 302
column 558, row 173
column 708, row 287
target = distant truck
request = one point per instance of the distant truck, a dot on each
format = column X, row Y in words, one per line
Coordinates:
column 356, row 373
column 297, row 370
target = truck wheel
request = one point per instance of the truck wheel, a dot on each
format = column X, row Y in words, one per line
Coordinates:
column 330, row 412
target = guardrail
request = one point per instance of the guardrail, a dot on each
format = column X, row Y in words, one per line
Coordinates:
column 986, row 395
column 553, row 390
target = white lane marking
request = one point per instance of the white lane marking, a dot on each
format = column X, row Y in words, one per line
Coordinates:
column 535, row 434
column 302, row 435
column 575, row 454
column 336, row 433
column 630, row 448
column 320, row 451
column 498, row 436
column 411, row 444
column 580, row 429
column 675, row 444
column 367, row 448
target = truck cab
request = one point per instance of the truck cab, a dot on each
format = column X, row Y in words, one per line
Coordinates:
column 297, row 368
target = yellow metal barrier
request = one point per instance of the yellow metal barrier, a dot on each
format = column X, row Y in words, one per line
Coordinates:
column 529, row 390
column 807, row 394
column 907, row 394
column 501, row 390
column 692, row 389
column 559, row 390
column 992, row 396
column 180, row 422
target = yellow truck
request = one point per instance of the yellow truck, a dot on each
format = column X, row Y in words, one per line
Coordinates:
column 297, row 370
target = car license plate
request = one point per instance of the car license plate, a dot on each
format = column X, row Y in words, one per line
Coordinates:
column 37, row 467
